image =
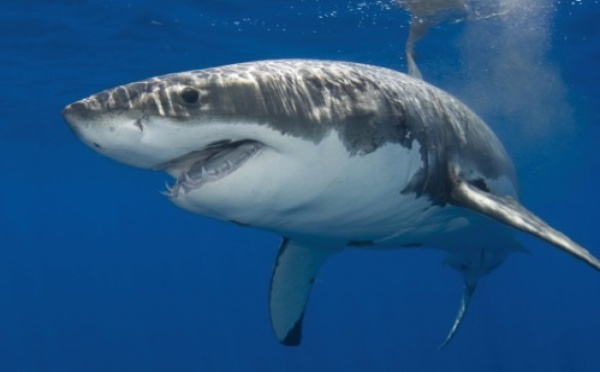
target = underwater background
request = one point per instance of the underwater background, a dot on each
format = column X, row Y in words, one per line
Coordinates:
column 99, row 272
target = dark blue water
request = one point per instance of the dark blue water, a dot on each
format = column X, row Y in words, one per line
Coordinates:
column 99, row 272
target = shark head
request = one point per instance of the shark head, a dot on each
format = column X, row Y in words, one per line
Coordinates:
column 175, row 124
column 145, row 124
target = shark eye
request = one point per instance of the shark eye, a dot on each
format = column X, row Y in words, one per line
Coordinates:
column 190, row 95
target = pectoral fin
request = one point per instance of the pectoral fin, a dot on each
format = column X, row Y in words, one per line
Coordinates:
column 294, row 273
column 507, row 210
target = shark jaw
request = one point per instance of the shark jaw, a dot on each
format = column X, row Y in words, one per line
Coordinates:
column 214, row 162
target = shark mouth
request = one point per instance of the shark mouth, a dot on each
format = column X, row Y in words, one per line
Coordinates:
column 214, row 162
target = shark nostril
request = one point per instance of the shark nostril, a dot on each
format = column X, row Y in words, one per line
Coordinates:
column 76, row 106
column 96, row 145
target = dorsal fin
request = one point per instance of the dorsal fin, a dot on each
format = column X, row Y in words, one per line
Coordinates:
column 294, row 273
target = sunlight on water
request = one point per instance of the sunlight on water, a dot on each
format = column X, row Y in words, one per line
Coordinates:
column 504, row 48
column 511, row 75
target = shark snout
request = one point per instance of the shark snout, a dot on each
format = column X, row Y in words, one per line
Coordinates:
column 75, row 113
column 81, row 119
column 107, row 131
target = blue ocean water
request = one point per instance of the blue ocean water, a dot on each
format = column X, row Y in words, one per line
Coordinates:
column 99, row 272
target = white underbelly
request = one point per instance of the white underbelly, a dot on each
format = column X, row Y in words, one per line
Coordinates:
column 320, row 191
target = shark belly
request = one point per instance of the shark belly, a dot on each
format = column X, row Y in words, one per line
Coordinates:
column 306, row 195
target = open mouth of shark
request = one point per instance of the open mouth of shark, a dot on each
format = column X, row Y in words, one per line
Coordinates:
column 210, row 164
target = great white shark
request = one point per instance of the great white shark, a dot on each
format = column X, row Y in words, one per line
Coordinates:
column 329, row 155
